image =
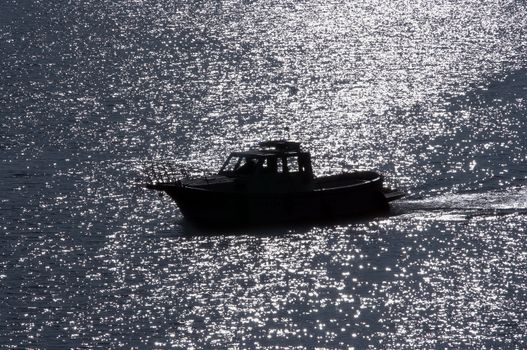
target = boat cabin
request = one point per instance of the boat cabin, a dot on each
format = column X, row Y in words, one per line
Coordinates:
column 270, row 158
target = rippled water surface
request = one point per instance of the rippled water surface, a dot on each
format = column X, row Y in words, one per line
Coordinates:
column 431, row 93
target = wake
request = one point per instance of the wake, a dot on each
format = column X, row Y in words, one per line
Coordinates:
column 463, row 205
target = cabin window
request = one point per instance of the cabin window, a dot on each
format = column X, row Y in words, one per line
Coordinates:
column 250, row 165
column 292, row 164
column 279, row 165
column 231, row 164
column 243, row 162
column 265, row 165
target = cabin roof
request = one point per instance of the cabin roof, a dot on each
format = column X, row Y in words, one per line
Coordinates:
column 281, row 145
column 271, row 148
column 254, row 153
column 263, row 153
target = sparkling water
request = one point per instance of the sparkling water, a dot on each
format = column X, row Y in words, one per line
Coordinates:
column 431, row 93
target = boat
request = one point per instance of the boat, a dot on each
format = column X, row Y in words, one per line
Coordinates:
column 274, row 183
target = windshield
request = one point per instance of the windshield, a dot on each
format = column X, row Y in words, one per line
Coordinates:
column 231, row 164
column 243, row 164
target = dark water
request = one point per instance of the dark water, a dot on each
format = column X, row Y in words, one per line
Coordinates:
column 434, row 94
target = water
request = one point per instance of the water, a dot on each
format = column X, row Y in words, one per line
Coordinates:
column 434, row 94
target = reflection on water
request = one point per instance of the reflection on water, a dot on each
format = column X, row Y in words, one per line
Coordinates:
column 432, row 94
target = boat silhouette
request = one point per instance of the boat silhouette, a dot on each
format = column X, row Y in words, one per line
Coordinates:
column 274, row 183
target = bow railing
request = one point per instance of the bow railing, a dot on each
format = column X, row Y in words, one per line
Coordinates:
column 167, row 172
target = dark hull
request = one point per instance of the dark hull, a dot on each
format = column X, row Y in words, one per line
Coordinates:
column 237, row 208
